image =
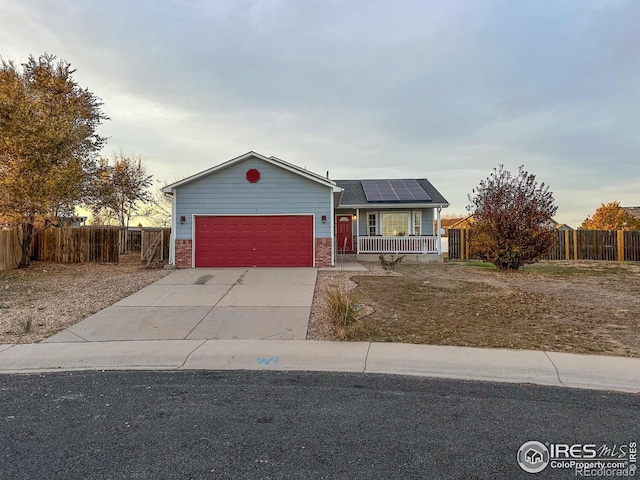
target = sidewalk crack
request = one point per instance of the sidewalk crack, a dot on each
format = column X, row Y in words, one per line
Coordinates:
column 366, row 358
column 190, row 353
column 240, row 280
column 555, row 368
column 8, row 348
column 74, row 333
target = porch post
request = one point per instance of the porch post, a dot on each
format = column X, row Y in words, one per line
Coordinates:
column 174, row 227
column 357, row 231
column 439, row 241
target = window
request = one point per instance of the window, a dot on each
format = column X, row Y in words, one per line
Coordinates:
column 395, row 224
column 373, row 224
column 417, row 223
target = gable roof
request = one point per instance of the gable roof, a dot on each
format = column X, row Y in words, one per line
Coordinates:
column 354, row 195
column 463, row 222
column 635, row 211
column 272, row 160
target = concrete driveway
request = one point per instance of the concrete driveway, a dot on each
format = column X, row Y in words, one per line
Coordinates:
column 208, row 304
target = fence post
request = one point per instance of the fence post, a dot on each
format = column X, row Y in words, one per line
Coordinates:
column 620, row 245
column 575, row 245
column 461, row 244
column 566, row 245
column 466, row 245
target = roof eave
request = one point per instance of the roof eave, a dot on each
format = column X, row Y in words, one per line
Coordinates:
column 395, row 205
column 273, row 160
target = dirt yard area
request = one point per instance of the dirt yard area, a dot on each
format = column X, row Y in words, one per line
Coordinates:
column 48, row 297
column 579, row 307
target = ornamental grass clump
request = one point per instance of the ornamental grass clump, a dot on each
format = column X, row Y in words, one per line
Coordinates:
column 343, row 310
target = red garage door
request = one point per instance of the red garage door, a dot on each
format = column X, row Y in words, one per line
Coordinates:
column 254, row 241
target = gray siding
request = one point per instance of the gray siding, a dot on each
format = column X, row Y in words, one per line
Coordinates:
column 428, row 214
column 228, row 192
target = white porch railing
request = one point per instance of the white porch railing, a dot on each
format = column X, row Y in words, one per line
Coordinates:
column 398, row 244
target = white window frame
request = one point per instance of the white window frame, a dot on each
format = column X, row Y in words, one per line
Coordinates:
column 418, row 214
column 406, row 212
column 376, row 226
column 412, row 220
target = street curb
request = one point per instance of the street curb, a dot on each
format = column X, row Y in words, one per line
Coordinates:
column 465, row 363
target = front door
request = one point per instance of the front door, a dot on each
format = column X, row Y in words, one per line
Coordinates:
column 345, row 233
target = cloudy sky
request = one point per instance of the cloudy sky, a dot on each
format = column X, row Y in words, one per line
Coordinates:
column 364, row 89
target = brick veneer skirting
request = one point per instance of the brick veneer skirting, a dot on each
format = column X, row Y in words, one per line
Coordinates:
column 323, row 252
column 183, row 253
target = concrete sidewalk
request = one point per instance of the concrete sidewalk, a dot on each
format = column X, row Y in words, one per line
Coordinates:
column 519, row 366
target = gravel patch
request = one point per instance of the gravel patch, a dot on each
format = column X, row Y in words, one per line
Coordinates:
column 39, row 301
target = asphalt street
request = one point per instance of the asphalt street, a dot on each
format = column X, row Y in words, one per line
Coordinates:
column 276, row 425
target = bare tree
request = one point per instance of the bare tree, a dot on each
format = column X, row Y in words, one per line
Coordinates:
column 120, row 188
column 158, row 211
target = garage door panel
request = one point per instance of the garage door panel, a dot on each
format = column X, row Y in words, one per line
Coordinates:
column 245, row 241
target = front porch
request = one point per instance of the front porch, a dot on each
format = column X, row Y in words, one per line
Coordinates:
column 416, row 250
column 402, row 231
column 412, row 244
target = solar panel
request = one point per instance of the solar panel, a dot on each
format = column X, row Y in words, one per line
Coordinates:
column 396, row 190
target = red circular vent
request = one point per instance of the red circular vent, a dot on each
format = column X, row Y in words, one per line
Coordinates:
column 253, row 175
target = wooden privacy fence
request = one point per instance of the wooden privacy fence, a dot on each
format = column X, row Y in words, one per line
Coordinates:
column 134, row 240
column 86, row 244
column 76, row 245
column 457, row 250
column 617, row 245
column 10, row 251
column 620, row 245
column 155, row 245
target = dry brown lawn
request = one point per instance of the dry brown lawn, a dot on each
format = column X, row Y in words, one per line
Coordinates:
column 579, row 307
column 48, row 297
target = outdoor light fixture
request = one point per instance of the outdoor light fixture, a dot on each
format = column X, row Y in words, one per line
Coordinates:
column 183, row 219
column 324, row 219
column 355, row 217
